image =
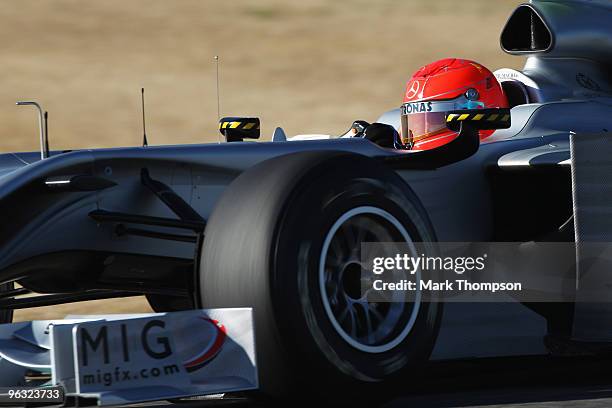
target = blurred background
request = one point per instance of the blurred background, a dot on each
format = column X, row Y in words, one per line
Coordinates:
column 309, row 66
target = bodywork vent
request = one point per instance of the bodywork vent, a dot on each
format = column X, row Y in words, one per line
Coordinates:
column 526, row 32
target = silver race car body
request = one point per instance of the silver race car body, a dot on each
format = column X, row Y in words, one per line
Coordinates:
column 102, row 223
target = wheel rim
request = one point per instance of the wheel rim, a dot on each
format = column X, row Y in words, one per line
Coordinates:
column 372, row 327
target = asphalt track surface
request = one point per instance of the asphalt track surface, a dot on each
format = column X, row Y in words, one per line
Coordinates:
column 513, row 382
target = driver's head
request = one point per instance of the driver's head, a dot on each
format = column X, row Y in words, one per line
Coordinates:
column 443, row 86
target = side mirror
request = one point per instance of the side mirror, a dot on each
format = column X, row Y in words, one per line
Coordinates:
column 480, row 119
column 236, row 129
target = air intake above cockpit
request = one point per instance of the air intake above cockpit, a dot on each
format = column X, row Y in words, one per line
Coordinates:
column 526, row 32
column 574, row 29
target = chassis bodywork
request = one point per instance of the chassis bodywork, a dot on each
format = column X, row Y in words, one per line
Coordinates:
column 113, row 222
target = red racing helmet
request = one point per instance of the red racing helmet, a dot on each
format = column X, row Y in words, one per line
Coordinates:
column 435, row 89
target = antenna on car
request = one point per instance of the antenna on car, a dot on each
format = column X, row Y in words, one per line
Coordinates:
column 145, row 143
column 47, row 132
column 218, row 97
column 42, row 127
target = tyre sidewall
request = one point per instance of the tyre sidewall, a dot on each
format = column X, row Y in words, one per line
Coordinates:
column 330, row 191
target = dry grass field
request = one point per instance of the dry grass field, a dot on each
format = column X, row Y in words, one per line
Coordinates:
column 309, row 66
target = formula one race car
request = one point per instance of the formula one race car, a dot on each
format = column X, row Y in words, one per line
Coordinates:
column 275, row 225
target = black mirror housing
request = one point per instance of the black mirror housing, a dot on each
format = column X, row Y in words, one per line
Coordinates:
column 236, row 129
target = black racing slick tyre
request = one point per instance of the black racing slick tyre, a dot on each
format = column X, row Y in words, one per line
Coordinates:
column 268, row 246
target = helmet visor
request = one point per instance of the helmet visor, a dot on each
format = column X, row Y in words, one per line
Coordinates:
column 421, row 120
column 418, row 126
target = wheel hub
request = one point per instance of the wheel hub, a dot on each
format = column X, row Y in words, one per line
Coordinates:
column 368, row 326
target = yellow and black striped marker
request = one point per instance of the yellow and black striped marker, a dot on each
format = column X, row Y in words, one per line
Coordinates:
column 236, row 129
column 481, row 118
column 239, row 123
